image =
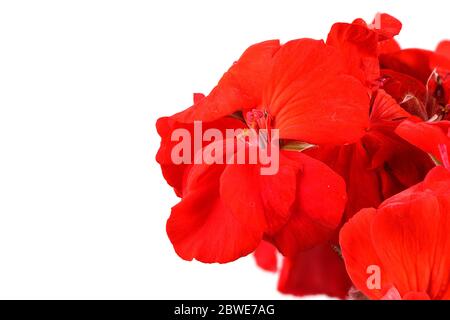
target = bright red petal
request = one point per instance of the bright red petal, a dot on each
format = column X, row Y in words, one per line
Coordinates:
column 386, row 26
column 441, row 60
column 311, row 98
column 359, row 253
column 359, row 48
column 353, row 164
column 426, row 136
column 263, row 200
column 416, row 296
column 386, row 109
column 444, row 49
column 413, row 242
column 426, row 208
column 175, row 174
column 201, row 227
column 318, row 210
column 388, row 46
column 266, row 256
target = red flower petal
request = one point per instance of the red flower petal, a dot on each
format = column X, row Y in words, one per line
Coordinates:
column 262, row 200
column 201, row 227
column 266, row 256
column 175, row 174
column 416, row 296
column 318, row 209
column 353, row 164
column 359, row 48
column 359, row 252
column 310, row 97
column 411, row 241
column 388, row 46
column 386, row 26
column 386, row 109
column 426, row 136
column 444, row 49
column 381, row 143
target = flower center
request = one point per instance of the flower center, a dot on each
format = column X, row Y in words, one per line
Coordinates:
column 259, row 130
column 257, row 119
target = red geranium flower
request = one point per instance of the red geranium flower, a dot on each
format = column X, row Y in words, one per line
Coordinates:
column 401, row 249
column 227, row 209
column 301, row 89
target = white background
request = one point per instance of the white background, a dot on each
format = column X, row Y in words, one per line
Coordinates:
column 83, row 204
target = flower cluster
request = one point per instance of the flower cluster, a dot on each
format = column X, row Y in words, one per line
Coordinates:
column 356, row 133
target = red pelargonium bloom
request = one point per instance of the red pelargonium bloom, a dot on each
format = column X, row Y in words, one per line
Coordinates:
column 304, row 86
column 301, row 89
column 402, row 249
column 319, row 270
column 227, row 209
